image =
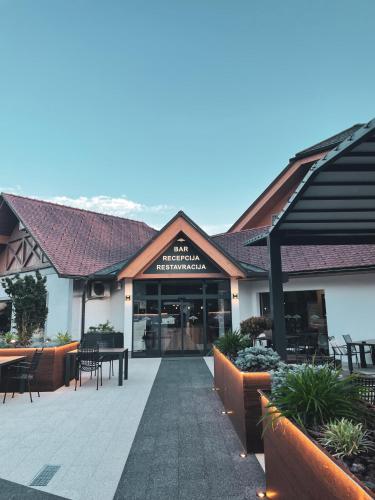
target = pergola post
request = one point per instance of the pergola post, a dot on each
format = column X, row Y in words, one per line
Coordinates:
column 276, row 296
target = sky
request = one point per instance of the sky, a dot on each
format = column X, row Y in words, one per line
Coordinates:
column 142, row 108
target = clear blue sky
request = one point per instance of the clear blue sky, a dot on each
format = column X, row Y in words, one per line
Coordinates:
column 193, row 104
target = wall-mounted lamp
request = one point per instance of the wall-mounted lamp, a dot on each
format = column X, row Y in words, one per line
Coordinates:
column 235, row 295
column 127, row 297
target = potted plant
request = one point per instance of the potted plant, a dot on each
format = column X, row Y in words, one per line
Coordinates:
column 318, row 436
column 237, row 377
column 254, row 326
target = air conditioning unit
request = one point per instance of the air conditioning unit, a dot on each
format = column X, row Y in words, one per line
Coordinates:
column 99, row 290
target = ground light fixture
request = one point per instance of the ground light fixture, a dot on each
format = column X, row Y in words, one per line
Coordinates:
column 261, row 494
column 243, row 454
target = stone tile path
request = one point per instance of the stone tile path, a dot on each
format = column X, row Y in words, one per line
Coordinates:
column 185, row 449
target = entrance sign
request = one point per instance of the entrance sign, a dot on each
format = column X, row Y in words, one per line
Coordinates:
column 182, row 257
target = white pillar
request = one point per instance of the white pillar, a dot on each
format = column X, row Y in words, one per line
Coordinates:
column 128, row 314
column 235, row 300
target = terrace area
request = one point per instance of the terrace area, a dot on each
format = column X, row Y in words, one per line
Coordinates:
column 161, row 435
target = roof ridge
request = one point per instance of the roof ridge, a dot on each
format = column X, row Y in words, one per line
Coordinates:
column 333, row 139
column 226, row 233
column 47, row 202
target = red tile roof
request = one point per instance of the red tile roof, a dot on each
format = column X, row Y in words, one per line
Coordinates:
column 297, row 258
column 79, row 242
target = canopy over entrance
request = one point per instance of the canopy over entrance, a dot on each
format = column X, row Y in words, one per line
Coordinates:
column 333, row 205
column 181, row 250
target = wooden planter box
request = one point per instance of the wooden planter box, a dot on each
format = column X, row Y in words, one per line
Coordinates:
column 239, row 393
column 50, row 372
column 298, row 467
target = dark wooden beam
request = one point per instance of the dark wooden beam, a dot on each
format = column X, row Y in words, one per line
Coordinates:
column 277, row 296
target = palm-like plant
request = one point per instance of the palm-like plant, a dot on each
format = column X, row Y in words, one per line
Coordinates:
column 313, row 398
column 232, row 342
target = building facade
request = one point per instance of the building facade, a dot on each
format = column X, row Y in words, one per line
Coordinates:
column 174, row 291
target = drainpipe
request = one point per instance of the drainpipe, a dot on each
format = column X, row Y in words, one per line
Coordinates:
column 83, row 308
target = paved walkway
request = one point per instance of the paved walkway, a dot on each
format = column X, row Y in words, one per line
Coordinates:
column 15, row 491
column 185, row 449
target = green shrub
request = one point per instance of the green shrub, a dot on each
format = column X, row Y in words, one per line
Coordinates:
column 257, row 359
column 101, row 328
column 63, row 338
column 314, row 397
column 345, row 439
column 279, row 375
column 29, row 301
column 231, row 342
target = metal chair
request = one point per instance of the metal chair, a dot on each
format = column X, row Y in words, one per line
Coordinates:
column 23, row 372
column 340, row 351
column 88, row 361
column 355, row 352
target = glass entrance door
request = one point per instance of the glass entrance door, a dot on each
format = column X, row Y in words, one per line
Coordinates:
column 182, row 327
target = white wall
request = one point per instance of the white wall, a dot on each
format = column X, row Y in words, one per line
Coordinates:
column 59, row 294
column 350, row 301
column 106, row 309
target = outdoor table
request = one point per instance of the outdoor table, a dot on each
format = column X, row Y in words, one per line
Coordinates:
column 361, row 344
column 9, row 360
column 120, row 352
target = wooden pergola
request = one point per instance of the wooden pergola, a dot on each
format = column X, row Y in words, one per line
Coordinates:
column 333, row 205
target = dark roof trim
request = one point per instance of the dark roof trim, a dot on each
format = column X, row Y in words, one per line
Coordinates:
column 329, row 143
column 310, row 237
column 320, row 147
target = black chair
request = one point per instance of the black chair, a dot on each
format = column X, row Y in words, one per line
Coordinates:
column 107, row 358
column 88, row 361
column 367, row 385
column 341, row 351
column 23, row 372
column 354, row 350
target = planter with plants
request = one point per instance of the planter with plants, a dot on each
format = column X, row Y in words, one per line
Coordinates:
column 104, row 332
column 319, row 436
column 239, row 371
column 51, row 369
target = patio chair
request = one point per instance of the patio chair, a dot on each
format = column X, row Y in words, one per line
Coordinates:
column 340, row 351
column 88, row 361
column 355, row 351
column 24, row 373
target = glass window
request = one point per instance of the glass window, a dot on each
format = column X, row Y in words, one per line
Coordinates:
column 184, row 287
column 305, row 311
column 143, row 288
column 218, row 287
column 146, row 326
column 193, row 314
column 218, row 318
